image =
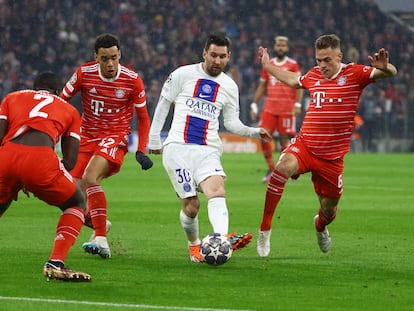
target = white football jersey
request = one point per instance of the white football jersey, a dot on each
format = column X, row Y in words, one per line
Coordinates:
column 199, row 99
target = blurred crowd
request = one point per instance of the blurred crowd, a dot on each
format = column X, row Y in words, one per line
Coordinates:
column 157, row 36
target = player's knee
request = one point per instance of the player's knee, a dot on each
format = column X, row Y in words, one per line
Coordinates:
column 76, row 200
column 191, row 206
column 90, row 180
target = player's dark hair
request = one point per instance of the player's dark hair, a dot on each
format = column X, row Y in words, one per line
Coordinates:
column 106, row 40
column 47, row 81
column 327, row 41
column 217, row 39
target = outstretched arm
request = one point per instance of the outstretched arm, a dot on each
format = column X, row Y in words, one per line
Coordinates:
column 287, row 77
column 380, row 61
column 160, row 115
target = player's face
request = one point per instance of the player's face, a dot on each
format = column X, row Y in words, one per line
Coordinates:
column 108, row 59
column 216, row 59
column 281, row 48
column 329, row 61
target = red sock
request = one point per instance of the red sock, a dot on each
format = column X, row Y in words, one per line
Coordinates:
column 324, row 219
column 67, row 231
column 97, row 207
column 268, row 154
column 274, row 192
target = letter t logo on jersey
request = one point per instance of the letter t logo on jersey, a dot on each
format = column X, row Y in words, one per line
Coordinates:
column 206, row 89
column 318, row 99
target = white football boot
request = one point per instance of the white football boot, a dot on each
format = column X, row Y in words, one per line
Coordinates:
column 324, row 240
column 263, row 243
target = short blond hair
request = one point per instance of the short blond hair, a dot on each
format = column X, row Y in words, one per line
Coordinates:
column 281, row 38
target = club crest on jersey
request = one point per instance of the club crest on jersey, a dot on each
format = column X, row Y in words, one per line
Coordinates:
column 206, row 89
column 341, row 81
column 120, row 93
column 187, row 187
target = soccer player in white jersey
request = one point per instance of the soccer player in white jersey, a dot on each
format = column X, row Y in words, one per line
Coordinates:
column 326, row 131
column 192, row 151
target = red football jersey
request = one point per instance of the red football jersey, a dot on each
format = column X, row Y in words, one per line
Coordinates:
column 327, row 127
column 280, row 97
column 108, row 104
column 41, row 111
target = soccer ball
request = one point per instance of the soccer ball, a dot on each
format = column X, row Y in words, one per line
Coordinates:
column 215, row 249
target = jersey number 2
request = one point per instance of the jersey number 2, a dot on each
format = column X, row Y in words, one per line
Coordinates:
column 44, row 101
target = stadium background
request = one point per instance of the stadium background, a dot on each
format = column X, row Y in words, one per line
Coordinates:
column 157, row 36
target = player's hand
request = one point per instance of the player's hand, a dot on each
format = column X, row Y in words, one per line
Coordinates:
column 264, row 56
column 380, row 59
column 142, row 159
column 265, row 135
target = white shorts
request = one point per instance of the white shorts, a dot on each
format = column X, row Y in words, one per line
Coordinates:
column 188, row 165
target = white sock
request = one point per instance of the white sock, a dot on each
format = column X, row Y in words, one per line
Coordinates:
column 190, row 227
column 218, row 215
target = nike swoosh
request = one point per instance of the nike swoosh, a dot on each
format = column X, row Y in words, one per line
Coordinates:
column 203, row 96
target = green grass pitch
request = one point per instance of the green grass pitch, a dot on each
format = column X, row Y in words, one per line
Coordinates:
column 370, row 265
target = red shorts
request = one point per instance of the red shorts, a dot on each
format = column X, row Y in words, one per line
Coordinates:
column 326, row 174
column 37, row 169
column 282, row 123
column 111, row 148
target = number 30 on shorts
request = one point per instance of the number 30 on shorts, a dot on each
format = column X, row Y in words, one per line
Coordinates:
column 183, row 175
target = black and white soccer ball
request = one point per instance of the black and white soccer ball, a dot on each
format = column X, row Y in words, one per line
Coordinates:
column 216, row 249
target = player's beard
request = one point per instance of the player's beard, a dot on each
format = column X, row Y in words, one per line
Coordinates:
column 214, row 71
column 281, row 55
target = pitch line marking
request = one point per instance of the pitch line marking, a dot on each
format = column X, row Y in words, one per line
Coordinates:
column 120, row 305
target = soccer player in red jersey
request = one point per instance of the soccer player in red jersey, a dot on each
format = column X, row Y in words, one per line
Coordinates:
column 31, row 124
column 326, row 131
column 110, row 93
column 282, row 104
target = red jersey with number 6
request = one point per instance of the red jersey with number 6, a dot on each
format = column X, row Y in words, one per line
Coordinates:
column 327, row 127
column 39, row 110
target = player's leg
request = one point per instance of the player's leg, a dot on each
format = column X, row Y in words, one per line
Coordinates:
column 84, row 156
column 58, row 188
column 213, row 188
column 189, row 223
column 67, row 231
column 286, row 126
column 210, row 177
column 287, row 166
column 9, row 182
column 269, row 122
column 87, row 151
column 95, row 171
column 179, row 170
column 326, row 214
column 218, row 215
column 327, row 180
